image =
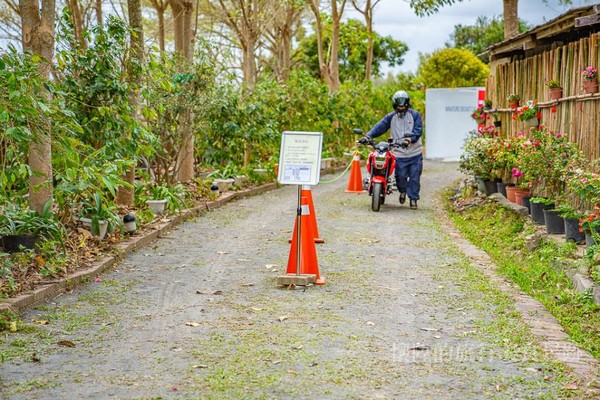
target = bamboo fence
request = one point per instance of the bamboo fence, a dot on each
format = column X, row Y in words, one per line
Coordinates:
column 576, row 114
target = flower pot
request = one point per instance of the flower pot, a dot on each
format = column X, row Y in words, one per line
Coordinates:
column 572, row 233
column 589, row 239
column 510, row 193
column 513, row 104
column 480, row 184
column 102, row 227
column 490, row 187
column 537, row 212
column 224, row 184
column 531, row 123
column 526, row 202
column 519, row 193
column 157, row 206
column 14, row 243
column 480, row 121
column 556, row 93
column 590, row 86
column 502, row 187
column 555, row 224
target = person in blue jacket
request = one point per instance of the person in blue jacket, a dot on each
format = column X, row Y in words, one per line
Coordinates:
column 405, row 126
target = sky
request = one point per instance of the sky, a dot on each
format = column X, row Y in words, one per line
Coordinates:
column 427, row 34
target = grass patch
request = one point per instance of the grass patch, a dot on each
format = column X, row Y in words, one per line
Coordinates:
column 502, row 234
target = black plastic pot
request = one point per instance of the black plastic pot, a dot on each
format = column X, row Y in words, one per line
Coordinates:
column 526, row 203
column 555, row 224
column 490, row 187
column 537, row 212
column 502, row 187
column 572, row 233
column 14, row 243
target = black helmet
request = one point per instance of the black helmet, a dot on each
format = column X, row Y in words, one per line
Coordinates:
column 401, row 99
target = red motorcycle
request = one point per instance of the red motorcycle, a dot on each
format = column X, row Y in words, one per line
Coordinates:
column 381, row 165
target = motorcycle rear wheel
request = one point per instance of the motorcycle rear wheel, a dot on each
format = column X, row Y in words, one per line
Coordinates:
column 376, row 196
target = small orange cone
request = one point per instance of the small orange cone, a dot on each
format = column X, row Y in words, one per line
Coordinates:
column 308, row 251
column 306, row 192
column 355, row 184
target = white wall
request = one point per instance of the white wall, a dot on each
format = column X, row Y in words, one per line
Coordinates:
column 448, row 120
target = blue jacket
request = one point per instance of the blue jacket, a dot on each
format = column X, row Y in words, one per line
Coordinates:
column 410, row 126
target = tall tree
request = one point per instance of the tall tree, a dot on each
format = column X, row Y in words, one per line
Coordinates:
column 328, row 64
column 449, row 68
column 354, row 43
column 160, row 6
column 279, row 35
column 182, row 18
column 38, row 37
column 478, row 37
column 367, row 11
column 125, row 194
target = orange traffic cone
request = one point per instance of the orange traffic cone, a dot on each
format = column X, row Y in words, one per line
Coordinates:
column 306, row 192
column 355, row 184
column 308, row 251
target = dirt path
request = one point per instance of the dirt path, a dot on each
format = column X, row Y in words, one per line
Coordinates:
column 198, row 314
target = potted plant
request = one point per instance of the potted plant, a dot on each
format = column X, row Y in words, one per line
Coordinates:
column 165, row 197
column 590, row 225
column 589, row 78
column 21, row 227
column 100, row 218
column 479, row 115
column 555, row 89
column 529, row 113
column 497, row 121
column 513, row 100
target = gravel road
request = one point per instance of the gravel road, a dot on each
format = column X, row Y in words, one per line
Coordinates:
column 198, row 314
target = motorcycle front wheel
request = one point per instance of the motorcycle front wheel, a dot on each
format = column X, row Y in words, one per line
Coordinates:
column 376, row 196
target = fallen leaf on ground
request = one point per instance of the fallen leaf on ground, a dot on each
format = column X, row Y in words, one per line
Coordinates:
column 199, row 366
column 256, row 309
column 420, row 348
column 209, row 292
column 571, row 386
column 297, row 347
column 66, row 343
column 248, row 284
column 314, row 364
column 431, row 329
column 35, row 358
column 275, row 362
column 194, row 324
column 370, row 323
column 41, row 321
column 222, row 252
column 282, row 318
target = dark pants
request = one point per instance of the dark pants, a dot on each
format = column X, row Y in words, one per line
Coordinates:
column 408, row 175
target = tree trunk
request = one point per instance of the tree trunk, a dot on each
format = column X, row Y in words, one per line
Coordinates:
column 77, row 21
column 511, row 18
column 99, row 16
column 368, row 14
column 38, row 36
column 125, row 195
column 160, row 7
column 182, row 16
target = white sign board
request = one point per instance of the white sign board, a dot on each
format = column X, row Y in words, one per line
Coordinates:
column 300, row 158
column 448, row 120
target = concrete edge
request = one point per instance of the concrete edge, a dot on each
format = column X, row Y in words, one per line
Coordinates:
column 544, row 326
column 83, row 276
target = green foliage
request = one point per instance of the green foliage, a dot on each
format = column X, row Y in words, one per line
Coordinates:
column 96, row 209
column 174, row 91
column 175, row 195
column 97, row 90
column 477, row 38
column 352, row 50
column 500, row 232
column 15, row 220
column 449, row 68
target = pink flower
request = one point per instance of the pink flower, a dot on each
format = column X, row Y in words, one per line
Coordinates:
column 516, row 173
